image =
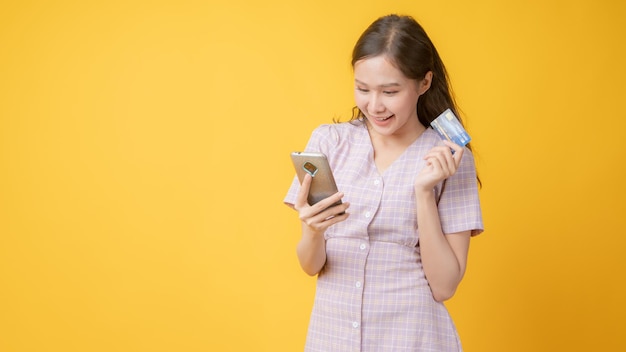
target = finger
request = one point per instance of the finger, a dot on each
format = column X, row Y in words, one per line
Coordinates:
column 447, row 160
column 303, row 192
column 322, row 224
column 333, row 212
column 326, row 217
column 327, row 202
column 336, row 218
column 442, row 162
column 444, row 157
column 435, row 162
column 458, row 152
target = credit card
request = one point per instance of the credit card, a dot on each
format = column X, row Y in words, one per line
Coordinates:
column 449, row 127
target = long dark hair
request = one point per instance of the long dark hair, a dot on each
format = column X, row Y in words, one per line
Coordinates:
column 405, row 43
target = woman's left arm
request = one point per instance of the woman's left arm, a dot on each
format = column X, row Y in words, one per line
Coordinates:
column 444, row 256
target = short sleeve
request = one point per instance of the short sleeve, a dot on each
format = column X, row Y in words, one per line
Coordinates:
column 322, row 140
column 459, row 203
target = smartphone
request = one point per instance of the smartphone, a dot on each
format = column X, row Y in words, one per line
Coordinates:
column 322, row 182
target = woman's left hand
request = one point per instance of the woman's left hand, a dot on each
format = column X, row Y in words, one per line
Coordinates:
column 440, row 164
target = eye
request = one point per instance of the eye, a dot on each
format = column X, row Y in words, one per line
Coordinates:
column 362, row 90
column 390, row 92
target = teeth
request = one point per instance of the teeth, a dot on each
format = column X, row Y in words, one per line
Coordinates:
column 383, row 118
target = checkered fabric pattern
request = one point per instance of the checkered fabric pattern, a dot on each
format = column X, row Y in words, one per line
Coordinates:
column 372, row 294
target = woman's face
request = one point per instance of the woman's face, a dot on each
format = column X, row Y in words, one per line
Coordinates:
column 386, row 97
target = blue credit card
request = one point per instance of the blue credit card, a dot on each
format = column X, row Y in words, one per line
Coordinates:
column 449, row 127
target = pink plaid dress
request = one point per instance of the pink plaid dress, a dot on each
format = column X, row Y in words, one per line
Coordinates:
column 372, row 294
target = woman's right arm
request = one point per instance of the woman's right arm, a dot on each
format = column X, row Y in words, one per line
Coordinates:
column 315, row 220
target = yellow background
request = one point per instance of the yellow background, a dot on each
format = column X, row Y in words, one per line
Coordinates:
column 144, row 157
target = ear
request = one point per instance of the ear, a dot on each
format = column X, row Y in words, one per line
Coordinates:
column 424, row 84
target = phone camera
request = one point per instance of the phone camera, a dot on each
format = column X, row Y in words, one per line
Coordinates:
column 310, row 168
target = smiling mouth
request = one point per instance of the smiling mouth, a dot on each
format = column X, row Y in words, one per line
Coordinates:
column 383, row 118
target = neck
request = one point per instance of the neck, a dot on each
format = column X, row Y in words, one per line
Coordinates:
column 399, row 139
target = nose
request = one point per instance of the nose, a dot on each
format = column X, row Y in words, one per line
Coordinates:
column 376, row 104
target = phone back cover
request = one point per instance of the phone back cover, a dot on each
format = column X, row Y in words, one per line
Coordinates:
column 323, row 183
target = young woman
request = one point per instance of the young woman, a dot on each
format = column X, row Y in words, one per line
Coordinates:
column 411, row 204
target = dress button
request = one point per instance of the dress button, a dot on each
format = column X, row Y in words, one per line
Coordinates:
column 367, row 214
column 376, row 182
column 355, row 324
column 362, row 246
column 358, row 284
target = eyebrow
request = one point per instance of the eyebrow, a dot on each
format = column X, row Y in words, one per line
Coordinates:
column 394, row 84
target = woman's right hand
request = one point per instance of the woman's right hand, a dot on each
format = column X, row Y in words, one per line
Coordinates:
column 318, row 217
